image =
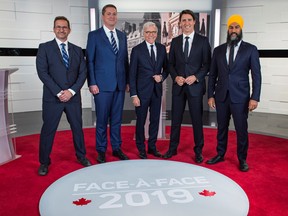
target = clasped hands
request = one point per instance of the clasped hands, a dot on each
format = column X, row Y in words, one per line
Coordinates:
column 65, row 96
column 188, row 80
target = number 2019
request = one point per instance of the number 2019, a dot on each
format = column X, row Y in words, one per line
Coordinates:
column 140, row 198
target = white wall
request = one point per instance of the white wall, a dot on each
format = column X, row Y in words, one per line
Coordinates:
column 266, row 26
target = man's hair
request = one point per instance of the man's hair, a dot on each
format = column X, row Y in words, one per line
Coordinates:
column 187, row 11
column 148, row 24
column 62, row 18
column 107, row 6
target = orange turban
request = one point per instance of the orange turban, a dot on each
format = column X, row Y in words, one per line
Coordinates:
column 235, row 18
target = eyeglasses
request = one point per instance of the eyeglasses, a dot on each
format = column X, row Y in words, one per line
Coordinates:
column 151, row 32
column 65, row 28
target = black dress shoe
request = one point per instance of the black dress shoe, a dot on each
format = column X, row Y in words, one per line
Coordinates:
column 101, row 157
column 198, row 158
column 43, row 170
column 215, row 160
column 156, row 153
column 243, row 166
column 142, row 155
column 118, row 153
column 84, row 161
column 169, row 154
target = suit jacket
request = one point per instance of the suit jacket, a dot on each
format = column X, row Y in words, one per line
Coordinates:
column 142, row 70
column 198, row 63
column 237, row 79
column 53, row 73
column 105, row 69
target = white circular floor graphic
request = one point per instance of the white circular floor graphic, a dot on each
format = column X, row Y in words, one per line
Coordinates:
column 142, row 188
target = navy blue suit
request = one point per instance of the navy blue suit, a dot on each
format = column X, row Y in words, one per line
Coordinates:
column 55, row 77
column 109, row 71
column 148, row 90
column 231, row 89
column 197, row 64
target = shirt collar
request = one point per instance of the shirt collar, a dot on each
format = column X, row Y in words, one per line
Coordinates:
column 190, row 35
column 60, row 42
column 148, row 44
column 107, row 31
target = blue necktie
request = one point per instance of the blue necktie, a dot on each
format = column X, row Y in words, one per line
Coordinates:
column 113, row 43
column 153, row 55
column 65, row 55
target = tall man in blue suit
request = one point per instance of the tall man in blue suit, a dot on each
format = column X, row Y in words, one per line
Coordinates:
column 148, row 69
column 189, row 62
column 229, row 89
column 107, row 61
column 62, row 69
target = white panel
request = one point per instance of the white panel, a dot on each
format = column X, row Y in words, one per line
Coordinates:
column 33, row 7
column 79, row 3
column 160, row 5
column 6, row 16
column 19, row 34
column 7, row 6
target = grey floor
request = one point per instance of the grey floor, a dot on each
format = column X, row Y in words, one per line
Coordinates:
column 261, row 123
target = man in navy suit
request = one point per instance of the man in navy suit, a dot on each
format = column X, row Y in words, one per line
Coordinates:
column 107, row 61
column 189, row 62
column 62, row 81
column 229, row 89
column 148, row 69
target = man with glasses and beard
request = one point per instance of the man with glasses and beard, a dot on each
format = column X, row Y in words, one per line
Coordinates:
column 229, row 89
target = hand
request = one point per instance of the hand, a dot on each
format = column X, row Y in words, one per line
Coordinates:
column 157, row 78
column 190, row 79
column 211, row 103
column 65, row 96
column 94, row 89
column 127, row 88
column 253, row 104
column 180, row 80
column 136, row 101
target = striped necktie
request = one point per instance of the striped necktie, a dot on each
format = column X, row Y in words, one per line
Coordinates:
column 65, row 55
column 113, row 43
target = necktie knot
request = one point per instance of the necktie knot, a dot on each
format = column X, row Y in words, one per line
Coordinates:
column 65, row 55
column 113, row 43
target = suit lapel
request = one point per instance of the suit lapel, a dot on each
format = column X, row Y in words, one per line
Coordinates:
column 58, row 51
column 106, row 39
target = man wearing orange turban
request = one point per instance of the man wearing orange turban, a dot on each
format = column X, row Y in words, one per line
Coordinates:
column 229, row 89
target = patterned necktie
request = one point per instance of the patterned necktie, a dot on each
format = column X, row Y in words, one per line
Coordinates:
column 186, row 48
column 113, row 43
column 153, row 55
column 65, row 55
column 231, row 56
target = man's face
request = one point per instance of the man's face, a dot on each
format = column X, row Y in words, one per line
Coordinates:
column 150, row 34
column 187, row 24
column 234, row 31
column 110, row 17
column 61, row 30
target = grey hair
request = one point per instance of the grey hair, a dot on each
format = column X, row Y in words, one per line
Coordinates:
column 148, row 24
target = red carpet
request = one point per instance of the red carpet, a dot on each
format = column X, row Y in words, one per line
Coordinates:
column 265, row 184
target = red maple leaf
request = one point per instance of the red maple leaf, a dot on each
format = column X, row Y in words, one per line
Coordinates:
column 81, row 202
column 207, row 193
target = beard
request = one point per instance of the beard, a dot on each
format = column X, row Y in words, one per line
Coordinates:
column 234, row 38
